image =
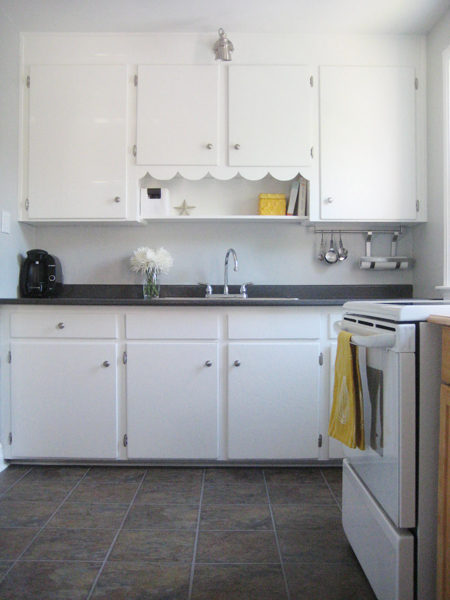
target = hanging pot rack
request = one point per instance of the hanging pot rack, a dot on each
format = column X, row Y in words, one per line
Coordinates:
column 375, row 262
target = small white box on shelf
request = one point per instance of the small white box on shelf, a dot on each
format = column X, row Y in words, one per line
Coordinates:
column 155, row 202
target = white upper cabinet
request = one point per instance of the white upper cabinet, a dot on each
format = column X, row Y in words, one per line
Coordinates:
column 177, row 115
column 179, row 120
column 367, row 144
column 269, row 116
column 77, row 142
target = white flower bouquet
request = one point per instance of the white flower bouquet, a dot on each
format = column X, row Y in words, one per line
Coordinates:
column 151, row 263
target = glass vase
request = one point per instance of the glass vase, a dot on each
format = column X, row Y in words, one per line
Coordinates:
column 151, row 285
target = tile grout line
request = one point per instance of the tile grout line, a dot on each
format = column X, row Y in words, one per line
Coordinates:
column 332, row 493
column 97, row 577
column 276, row 537
column 45, row 524
column 197, row 532
column 12, row 485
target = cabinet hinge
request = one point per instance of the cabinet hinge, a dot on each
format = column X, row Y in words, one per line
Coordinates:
column 10, row 438
column 312, row 152
column 417, row 205
column 319, row 441
column 134, row 150
column 125, row 358
column 27, row 204
column 28, row 81
column 125, row 440
column 416, row 83
column 9, row 357
column 135, row 80
column 311, row 81
column 321, row 359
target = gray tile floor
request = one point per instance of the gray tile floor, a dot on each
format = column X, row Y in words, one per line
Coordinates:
column 175, row 533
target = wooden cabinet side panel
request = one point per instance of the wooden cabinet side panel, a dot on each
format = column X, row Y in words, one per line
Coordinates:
column 443, row 550
column 446, row 355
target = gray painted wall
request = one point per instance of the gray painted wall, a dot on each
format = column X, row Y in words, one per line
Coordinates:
column 22, row 237
column 428, row 239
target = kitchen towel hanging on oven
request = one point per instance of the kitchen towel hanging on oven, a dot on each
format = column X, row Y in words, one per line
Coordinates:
column 346, row 420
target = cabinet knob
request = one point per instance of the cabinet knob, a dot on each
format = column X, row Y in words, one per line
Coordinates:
column 237, row 146
column 329, row 200
column 209, row 146
column 117, row 199
column 61, row 325
column 237, row 363
column 208, row 363
column 106, row 363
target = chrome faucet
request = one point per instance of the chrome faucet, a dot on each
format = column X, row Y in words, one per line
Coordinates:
column 236, row 268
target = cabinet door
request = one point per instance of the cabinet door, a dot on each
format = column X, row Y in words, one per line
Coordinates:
column 177, row 115
column 63, row 400
column 273, row 400
column 269, row 116
column 367, row 143
column 77, row 142
column 172, row 397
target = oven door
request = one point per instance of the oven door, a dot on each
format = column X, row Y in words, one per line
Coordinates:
column 387, row 365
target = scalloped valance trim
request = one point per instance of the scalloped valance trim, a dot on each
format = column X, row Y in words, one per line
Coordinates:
column 163, row 173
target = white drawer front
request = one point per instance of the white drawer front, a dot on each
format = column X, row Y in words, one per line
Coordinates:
column 385, row 553
column 63, row 325
column 273, row 326
column 169, row 325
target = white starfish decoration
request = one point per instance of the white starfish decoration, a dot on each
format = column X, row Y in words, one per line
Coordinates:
column 184, row 208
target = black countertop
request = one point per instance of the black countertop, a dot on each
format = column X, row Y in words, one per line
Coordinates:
column 194, row 295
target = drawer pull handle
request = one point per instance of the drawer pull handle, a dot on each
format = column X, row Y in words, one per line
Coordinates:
column 237, row 146
column 117, row 199
column 208, row 363
column 106, row 363
column 237, row 363
column 209, row 146
column 61, row 325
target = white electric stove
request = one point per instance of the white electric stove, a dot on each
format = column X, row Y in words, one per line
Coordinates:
column 399, row 311
column 390, row 489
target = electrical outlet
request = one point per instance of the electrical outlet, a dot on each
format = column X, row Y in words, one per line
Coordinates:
column 6, row 222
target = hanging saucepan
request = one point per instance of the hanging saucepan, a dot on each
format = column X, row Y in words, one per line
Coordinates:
column 331, row 256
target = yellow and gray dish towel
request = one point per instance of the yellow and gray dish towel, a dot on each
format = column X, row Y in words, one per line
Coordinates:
column 347, row 413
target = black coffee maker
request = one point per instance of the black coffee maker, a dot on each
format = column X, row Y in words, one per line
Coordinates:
column 40, row 275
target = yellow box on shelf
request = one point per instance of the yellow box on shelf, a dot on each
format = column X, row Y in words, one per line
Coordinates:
column 272, row 204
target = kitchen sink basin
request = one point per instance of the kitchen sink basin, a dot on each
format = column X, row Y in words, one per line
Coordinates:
column 244, row 299
column 232, row 297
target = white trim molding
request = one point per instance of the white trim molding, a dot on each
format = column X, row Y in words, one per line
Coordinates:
column 446, row 154
column 3, row 464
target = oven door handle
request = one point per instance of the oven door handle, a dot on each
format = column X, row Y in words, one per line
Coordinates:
column 376, row 340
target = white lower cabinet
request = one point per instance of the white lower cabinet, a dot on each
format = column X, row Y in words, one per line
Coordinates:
column 63, row 399
column 273, row 397
column 155, row 383
column 172, row 400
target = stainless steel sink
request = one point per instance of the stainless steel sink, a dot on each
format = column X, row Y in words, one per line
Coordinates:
column 232, row 297
column 246, row 298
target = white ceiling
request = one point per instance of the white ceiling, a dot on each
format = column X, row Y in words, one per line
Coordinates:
column 264, row 16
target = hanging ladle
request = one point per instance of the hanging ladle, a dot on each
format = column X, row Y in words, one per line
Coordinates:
column 342, row 252
column 322, row 251
column 331, row 256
